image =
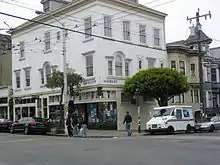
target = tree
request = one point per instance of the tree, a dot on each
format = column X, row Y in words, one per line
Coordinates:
column 74, row 81
column 159, row 83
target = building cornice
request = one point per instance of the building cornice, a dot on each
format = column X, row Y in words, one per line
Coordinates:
column 183, row 50
column 80, row 3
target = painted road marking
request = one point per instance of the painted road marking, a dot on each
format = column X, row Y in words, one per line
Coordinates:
column 22, row 140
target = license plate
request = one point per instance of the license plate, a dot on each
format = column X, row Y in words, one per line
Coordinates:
column 154, row 125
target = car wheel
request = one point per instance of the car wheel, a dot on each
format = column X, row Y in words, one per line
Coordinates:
column 170, row 130
column 11, row 129
column 26, row 131
column 212, row 128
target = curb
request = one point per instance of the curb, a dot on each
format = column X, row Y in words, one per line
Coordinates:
column 95, row 136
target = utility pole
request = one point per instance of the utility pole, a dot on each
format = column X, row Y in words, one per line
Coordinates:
column 200, row 56
column 138, row 108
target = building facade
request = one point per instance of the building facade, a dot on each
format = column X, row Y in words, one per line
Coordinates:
column 5, row 76
column 183, row 56
column 212, row 62
column 105, row 47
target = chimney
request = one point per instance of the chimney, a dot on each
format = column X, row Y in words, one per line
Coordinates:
column 192, row 31
column 51, row 5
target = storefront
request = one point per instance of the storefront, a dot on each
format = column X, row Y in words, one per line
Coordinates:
column 102, row 115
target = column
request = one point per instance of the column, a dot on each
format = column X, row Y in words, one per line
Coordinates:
column 21, row 111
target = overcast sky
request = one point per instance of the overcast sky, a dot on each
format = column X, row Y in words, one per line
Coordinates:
column 177, row 27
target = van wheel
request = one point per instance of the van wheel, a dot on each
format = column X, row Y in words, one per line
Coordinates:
column 170, row 130
column 188, row 129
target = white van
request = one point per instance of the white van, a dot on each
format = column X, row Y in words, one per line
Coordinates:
column 171, row 119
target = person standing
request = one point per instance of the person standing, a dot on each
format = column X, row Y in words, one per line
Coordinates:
column 127, row 122
column 75, row 123
column 69, row 124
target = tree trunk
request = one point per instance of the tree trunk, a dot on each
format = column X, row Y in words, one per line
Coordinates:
column 162, row 102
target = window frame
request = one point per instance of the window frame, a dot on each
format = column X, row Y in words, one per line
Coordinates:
column 18, row 79
column 192, row 70
column 118, row 65
column 88, row 29
column 89, row 66
column 110, row 69
column 47, row 41
column 182, row 68
column 156, row 36
column 27, row 77
column 126, row 30
column 22, row 49
column 143, row 34
column 107, row 26
column 149, row 60
column 127, row 68
column 173, row 64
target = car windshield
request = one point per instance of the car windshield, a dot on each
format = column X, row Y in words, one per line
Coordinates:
column 2, row 120
column 162, row 112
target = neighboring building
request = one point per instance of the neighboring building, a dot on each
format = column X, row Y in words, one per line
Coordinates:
column 134, row 40
column 183, row 56
column 212, row 62
column 5, row 75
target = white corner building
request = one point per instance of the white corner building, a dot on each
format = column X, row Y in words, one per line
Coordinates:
column 132, row 38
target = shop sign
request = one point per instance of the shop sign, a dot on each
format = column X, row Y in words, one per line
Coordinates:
column 90, row 82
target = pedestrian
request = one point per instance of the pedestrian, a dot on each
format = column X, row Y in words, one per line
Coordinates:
column 84, row 129
column 69, row 124
column 127, row 122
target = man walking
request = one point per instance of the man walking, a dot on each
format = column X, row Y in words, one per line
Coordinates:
column 127, row 122
column 69, row 123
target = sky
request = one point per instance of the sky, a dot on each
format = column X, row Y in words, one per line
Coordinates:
column 177, row 26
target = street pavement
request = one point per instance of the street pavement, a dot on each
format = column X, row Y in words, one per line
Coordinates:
column 180, row 149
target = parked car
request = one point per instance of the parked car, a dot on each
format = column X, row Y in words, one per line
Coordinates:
column 5, row 124
column 208, row 124
column 30, row 125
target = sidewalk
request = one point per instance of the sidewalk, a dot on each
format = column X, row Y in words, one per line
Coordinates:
column 102, row 134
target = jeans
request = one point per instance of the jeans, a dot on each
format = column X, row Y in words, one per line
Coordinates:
column 128, row 129
column 70, row 131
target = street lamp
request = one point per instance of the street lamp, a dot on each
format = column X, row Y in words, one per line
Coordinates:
column 65, row 92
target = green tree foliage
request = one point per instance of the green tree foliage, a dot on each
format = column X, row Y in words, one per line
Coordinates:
column 159, row 83
column 74, row 81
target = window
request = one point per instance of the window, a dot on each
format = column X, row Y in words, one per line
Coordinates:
column 142, row 29
column 54, row 69
column 151, row 63
column 21, row 49
column 27, row 77
column 182, row 67
column 58, row 36
column 182, row 98
column 186, row 113
column 157, row 37
column 192, row 98
column 213, row 74
column 192, row 70
column 196, row 95
column 48, row 72
column 47, row 41
column 126, row 69
column 110, row 68
column 89, row 65
column 118, row 65
column 42, row 76
column 18, row 79
column 108, row 26
column 88, row 27
column 179, row 114
column 140, row 64
column 126, row 30
column 173, row 64
column 161, row 65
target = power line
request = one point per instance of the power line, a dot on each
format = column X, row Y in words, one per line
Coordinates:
column 75, row 31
